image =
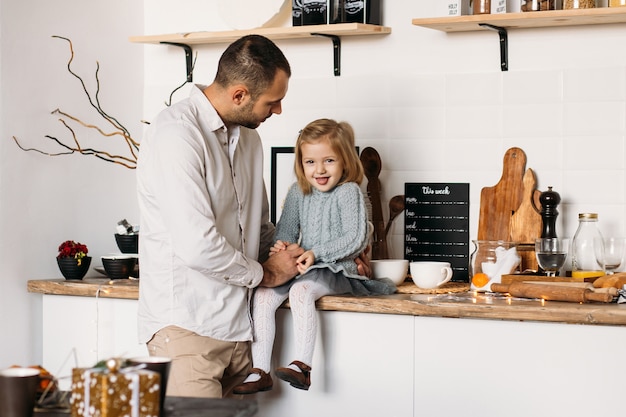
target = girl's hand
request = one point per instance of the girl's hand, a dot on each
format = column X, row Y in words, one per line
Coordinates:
column 305, row 261
column 278, row 246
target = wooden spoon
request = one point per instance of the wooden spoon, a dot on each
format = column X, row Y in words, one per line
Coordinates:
column 396, row 206
column 370, row 159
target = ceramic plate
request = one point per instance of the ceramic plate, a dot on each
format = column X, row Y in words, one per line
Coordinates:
column 246, row 14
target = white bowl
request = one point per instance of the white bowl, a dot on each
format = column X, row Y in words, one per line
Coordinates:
column 394, row 269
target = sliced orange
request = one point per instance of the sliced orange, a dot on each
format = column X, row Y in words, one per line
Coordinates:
column 480, row 279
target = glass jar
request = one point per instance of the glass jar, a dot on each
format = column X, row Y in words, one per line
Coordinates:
column 617, row 3
column 587, row 248
column 493, row 258
column 481, row 7
column 539, row 5
column 579, row 4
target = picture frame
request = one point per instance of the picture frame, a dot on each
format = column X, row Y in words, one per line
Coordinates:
column 282, row 176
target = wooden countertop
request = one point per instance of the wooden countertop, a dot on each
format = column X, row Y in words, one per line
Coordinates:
column 464, row 304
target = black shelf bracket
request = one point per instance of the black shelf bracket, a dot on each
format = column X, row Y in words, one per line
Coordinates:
column 504, row 44
column 188, row 58
column 336, row 51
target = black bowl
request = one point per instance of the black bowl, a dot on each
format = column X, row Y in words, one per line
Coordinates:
column 119, row 267
column 71, row 270
column 127, row 243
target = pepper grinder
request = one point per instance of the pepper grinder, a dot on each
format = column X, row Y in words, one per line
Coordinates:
column 549, row 201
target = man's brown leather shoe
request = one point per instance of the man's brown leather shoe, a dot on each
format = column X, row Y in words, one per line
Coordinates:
column 263, row 384
column 300, row 380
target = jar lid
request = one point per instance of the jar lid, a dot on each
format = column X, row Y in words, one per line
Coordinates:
column 587, row 216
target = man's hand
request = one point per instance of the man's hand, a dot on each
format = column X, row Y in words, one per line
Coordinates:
column 281, row 266
column 363, row 263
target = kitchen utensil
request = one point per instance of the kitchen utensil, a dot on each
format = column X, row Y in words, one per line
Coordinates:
column 549, row 201
column 372, row 165
column 525, row 223
column 611, row 290
column 493, row 258
column 552, row 292
column 18, row 391
column 551, row 253
column 499, row 202
column 119, row 266
column 127, row 243
column 428, row 274
column 394, row 269
column 396, row 206
column 614, row 248
column 160, row 365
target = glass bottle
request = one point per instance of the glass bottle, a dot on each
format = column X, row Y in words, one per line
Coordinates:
column 538, row 5
column 481, row 7
column 579, row 4
column 587, row 248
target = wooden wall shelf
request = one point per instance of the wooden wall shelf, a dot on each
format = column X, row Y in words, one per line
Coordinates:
column 334, row 32
column 292, row 32
column 526, row 20
column 501, row 23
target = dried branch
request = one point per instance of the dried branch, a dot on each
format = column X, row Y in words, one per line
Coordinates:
column 193, row 65
column 94, row 100
column 118, row 129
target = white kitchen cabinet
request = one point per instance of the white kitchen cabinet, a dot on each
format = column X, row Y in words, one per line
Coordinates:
column 363, row 366
column 491, row 368
column 391, row 365
column 80, row 331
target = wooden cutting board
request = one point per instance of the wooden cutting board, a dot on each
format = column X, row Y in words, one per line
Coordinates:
column 498, row 203
column 526, row 222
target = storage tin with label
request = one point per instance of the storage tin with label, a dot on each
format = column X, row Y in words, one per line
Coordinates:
column 362, row 11
column 296, row 12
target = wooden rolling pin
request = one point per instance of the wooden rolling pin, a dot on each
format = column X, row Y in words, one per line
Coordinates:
column 552, row 292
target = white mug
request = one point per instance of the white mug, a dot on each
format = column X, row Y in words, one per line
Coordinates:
column 430, row 274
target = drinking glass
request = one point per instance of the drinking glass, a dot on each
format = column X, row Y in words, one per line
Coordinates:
column 614, row 248
column 551, row 254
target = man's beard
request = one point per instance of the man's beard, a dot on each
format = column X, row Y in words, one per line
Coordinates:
column 244, row 116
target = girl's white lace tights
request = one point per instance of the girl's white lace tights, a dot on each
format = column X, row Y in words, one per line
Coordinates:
column 302, row 297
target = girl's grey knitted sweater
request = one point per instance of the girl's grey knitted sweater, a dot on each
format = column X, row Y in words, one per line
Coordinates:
column 332, row 224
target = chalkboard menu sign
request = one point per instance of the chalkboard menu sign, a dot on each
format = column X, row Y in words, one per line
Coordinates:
column 436, row 225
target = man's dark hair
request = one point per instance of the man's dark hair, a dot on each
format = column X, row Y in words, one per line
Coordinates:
column 252, row 60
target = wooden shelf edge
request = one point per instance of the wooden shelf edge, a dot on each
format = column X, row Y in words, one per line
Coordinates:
column 293, row 32
column 551, row 18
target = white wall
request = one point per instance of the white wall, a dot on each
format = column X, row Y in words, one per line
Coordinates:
column 46, row 200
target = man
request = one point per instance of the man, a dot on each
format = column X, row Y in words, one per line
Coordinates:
column 205, row 233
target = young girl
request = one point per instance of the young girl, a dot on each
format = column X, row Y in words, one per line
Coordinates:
column 325, row 213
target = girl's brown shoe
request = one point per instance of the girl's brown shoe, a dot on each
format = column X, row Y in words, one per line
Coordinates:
column 263, row 384
column 300, row 380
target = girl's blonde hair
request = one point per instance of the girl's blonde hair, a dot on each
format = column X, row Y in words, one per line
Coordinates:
column 340, row 135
